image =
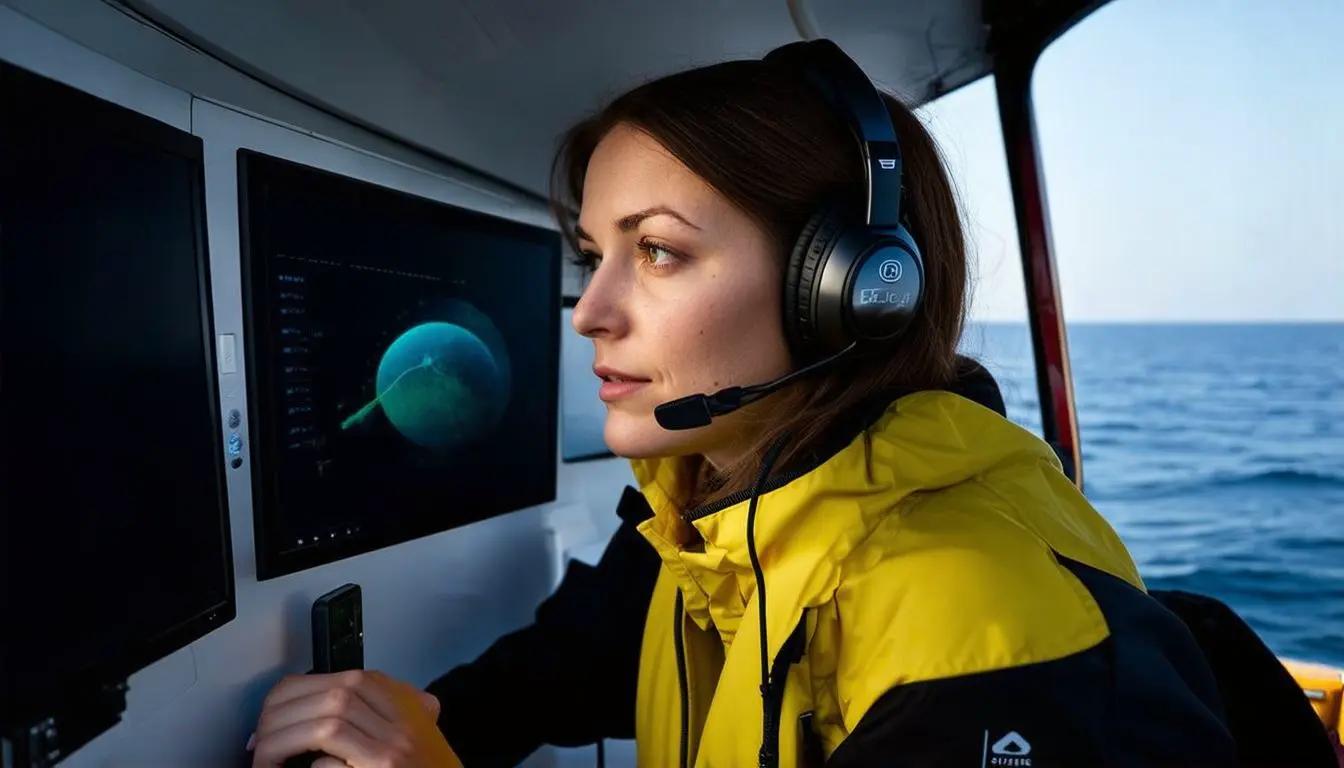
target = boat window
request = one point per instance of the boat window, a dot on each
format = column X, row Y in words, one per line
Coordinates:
column 1195, row 177
column 965, row 123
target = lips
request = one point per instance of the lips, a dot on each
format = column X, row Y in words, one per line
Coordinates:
column 614, row 390
column 616, row 383
column 609, row 374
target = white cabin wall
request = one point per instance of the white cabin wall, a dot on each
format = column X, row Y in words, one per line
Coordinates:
column 429, row 603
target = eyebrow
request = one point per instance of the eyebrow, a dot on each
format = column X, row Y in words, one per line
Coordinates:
column 628, row 223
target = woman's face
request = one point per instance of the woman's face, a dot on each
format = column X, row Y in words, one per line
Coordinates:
column 686, row 297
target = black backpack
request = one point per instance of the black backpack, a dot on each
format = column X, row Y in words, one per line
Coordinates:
column 1267, row 712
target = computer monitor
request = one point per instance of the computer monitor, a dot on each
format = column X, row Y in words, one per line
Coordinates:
column 114, row 536
column 402, row 356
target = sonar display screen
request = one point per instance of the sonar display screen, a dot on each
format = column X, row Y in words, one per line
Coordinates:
column 403, row 357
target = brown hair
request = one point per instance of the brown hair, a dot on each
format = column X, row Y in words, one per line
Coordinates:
column 768, row 143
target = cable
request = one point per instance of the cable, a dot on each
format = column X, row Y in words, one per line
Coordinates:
column 769, row 752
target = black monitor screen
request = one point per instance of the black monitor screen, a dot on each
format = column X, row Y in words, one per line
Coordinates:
column 403, row 355
column 113, row 519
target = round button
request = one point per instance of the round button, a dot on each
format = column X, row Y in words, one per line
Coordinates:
column 235, row 418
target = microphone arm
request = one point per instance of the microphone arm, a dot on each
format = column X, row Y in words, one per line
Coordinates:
column 698, row 410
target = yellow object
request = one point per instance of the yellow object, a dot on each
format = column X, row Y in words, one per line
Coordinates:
column 1324, row 687
column 924, row 548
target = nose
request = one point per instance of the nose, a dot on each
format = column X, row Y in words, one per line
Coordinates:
column 599, row 311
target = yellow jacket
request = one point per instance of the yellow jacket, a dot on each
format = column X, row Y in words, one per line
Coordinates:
column 944, row 596
column 941, row 542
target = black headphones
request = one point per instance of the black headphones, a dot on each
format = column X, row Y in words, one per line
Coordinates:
column 852, row 283
column 851, row 280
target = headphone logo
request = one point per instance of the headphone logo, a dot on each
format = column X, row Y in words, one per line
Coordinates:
column 887, row 165
column 889, row 271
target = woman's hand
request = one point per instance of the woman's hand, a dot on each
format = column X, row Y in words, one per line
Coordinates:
column 361, row 718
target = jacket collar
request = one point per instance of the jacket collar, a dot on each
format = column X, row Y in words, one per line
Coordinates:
column 973, row 383
column 811, row 516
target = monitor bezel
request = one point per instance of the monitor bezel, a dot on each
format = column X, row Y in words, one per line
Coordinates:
column 130, row 125
column 270, row 561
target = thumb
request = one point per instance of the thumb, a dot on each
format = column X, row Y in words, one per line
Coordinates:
column 431, row 704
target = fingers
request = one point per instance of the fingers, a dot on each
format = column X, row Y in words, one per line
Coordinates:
column 389, row 688
column 353, row 716
column 372, row 686
column 380, row 691
column 428, row 700
column 293, row 687
column 344, row 703
column 432, row 704
column 337, row 737
column 329, row 762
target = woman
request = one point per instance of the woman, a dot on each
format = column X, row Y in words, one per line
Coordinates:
column 933, row 589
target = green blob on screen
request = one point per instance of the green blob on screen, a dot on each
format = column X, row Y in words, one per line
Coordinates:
column 438, row 385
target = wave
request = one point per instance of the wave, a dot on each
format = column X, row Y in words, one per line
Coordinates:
column 1288, row 477
column 1254, row 585
column 1111, row 426
column 1270, row 478
column 1312, row 543
column 1158, row 572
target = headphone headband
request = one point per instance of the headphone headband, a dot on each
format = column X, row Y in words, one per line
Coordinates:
column 849, row 288
column 842, row 83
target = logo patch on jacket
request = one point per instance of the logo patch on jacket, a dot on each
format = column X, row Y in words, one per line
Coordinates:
column 1011, row 750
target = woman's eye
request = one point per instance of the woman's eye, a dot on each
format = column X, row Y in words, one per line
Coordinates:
column 659, row 257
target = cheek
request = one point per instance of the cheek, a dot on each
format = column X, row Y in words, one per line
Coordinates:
column 728, row 335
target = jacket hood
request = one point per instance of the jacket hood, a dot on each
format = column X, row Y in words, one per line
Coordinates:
column 810, row 518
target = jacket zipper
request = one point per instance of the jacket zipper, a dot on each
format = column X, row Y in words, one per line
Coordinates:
column 681, row 680
column 774, row 483
column 871, row 413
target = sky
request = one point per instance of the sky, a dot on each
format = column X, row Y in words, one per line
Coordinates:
column 1194, row 165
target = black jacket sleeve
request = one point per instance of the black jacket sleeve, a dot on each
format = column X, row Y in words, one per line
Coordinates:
column 569, row 678
column 1144, row 696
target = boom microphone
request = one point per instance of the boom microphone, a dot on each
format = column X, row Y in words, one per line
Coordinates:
column 698, row 410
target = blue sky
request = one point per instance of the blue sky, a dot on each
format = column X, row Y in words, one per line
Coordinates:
column 1194, row 160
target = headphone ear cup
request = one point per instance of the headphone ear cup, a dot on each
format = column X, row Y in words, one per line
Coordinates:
column 813, row 243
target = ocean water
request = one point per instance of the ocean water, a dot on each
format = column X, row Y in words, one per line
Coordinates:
column 1217, row 452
